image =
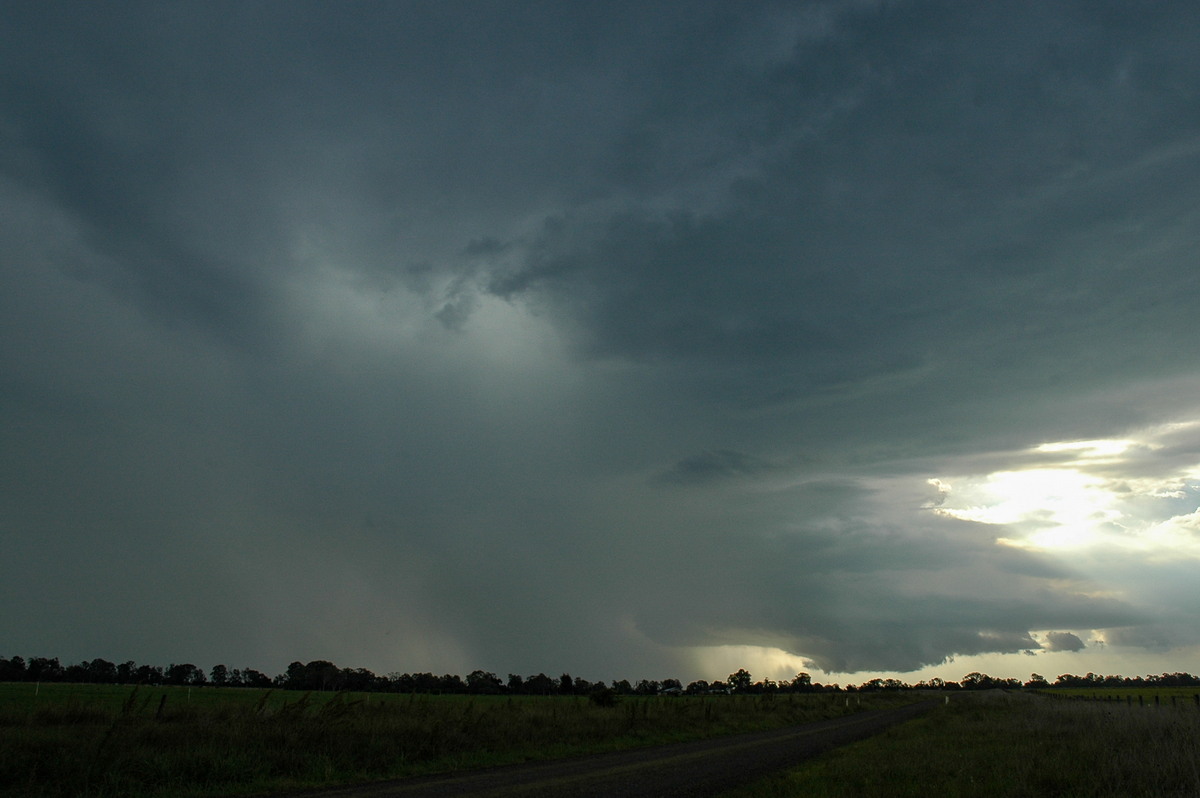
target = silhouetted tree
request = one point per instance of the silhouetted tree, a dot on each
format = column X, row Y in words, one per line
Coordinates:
column 740, row 681
column 253, row 678
column 451, row 683
column 646, row 687
column 483, row 682
column 127, row 672
column 184, row 674
column 12, row 670
column 603, row 696
column 149, row 675
column 802, row 683
column 41, row 669
column 540, row 685
column 978, row 681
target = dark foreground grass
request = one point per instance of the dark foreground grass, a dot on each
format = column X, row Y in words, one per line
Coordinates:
column 86, row 740
column 1011, row 745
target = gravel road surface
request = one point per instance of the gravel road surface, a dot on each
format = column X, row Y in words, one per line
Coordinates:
column 699, row 769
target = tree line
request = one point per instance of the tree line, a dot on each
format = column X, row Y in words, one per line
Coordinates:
column 322, row 675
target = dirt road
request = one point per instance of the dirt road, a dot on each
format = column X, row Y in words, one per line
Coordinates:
column 698, row 769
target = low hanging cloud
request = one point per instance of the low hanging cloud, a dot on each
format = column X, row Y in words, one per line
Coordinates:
column 1063, row 641
column 715, row 465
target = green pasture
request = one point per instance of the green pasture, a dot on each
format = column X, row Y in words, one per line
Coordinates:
column 1179, row 696
column 1011, row 745
column 103, row 700
column 87, row 740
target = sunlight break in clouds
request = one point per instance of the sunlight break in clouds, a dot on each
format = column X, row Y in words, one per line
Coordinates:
column 1081, row 498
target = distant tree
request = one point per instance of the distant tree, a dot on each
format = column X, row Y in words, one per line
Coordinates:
column 219, row 675
column 566, row 685
column 699, row 687
column 740, row 681
column 12, row 670
column 100, row 671
column 516, row 684
column 425, row 682
column 622, row 687
column 184, row 674
column 321, row 674
column 540, row 684
column 149, row 675
column 451, row 683
column 672, row 684
column 977, row 681
column 802, row 683
column 483, row 682
column 646, row 687
column 126, row 672
column 253, row 678
column 602, row 696
column 359, row 680
column 41, row 669
column 1178, row 680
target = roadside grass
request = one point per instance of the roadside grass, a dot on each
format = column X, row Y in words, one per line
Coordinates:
column 89, row 740
column 1011, row 745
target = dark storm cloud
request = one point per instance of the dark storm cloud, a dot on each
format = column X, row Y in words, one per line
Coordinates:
column 544, row 335
column 963, row 172
column 1063, row 641
column 715, row 465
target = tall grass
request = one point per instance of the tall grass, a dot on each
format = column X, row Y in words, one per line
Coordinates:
column 1012, row 745
column 95, row 741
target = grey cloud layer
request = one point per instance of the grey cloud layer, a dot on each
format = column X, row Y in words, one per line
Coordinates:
column 536, row 336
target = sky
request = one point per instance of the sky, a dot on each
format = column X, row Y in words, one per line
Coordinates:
column 627, row 340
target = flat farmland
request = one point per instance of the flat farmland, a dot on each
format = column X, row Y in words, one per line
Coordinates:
column 1012, row 745
column 1178, row 696
column 89, row 740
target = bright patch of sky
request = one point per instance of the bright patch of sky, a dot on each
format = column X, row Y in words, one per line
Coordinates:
column 1078, row 497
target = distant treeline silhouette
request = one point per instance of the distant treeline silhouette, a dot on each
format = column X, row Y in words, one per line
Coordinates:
column 322, row 675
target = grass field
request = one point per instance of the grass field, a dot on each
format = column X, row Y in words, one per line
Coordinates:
column 1010, row 745
column 87, row 740
column 1177, row 696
